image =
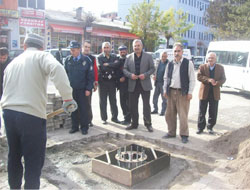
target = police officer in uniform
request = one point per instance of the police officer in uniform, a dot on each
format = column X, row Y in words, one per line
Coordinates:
column 123, row 86
column 108, row 66
column 81, row 76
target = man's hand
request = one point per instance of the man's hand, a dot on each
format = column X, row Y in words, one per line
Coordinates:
column 154, row 77
column 105, row 64
column 134, row 77
column 69, row 106
column 212, row 81
column 189, row 96
column 165, row 95
column 87, row 93
column 142, row 76
column 122, row 79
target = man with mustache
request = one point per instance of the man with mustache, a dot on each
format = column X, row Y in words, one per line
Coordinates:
column 179, row 82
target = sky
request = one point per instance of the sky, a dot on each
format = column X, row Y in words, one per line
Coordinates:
column 95, row 6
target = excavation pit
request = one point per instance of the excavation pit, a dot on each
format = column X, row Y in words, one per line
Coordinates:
column 130, row 164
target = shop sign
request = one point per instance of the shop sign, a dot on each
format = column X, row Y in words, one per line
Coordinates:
column 89, row 29
column 35, row 23
column 3, row 21
column 32, row 14
column 9, row 13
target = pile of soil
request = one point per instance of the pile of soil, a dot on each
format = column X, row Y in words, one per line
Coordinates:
column 241, row 165
column 228, row 144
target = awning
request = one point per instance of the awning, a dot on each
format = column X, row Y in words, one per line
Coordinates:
column 112, row 34
column 66, row 29
column 127, row 35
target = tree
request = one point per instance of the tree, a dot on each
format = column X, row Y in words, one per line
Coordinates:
column 89, row 18
column 173, row 24
column 144, row 18
column 229, row 19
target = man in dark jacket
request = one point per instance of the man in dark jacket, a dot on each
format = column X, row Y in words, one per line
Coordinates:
column 123, row 86
column 4, row 61
column 59, row 57
column 81, row 76
column 108, row 65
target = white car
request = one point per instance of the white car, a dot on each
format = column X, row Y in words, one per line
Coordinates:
column 198, row 60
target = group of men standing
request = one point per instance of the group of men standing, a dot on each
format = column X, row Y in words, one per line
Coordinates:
column 24, row 95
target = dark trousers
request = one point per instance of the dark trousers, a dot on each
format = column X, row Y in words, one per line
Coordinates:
column 107, row 89
column 80, row 116
column 124, row 101
column 133, row 105
column 26, row 135
column 159, row 91
column 212, row 113
column 90, row 114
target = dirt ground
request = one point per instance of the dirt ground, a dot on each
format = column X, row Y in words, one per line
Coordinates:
column 68, row 165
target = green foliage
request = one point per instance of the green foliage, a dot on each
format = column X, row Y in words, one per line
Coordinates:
column 174, row 23
column 144, row 18
column 230, row 19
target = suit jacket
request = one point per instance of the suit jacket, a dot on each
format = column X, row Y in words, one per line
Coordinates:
column 146, row 67
column 203, row 76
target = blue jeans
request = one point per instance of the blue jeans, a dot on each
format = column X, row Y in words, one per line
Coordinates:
column 159, row 91
column 26, row 135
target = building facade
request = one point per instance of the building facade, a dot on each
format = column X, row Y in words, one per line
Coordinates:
column 9, row 16
column 198, row 37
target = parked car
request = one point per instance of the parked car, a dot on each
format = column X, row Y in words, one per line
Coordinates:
column 65, row 52
column 15, row 53
column 198, row 60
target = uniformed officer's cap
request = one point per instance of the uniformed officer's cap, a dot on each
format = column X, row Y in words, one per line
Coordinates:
column 122, row 48
column 74, row 44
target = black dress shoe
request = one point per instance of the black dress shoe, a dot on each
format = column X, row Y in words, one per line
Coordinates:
column 131, row 127
column 161, row 114
column 210, row 131
column 91, row 124
column 104, row 122
column 184, row 139
column 150, row 128
column 199, row 131
column 125, row 122
column 73, row 131
column 116, row 121
column 154, row 112
column 167, row 136
column 84, row 132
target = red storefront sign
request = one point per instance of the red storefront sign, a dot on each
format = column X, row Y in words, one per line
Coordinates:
column 3, row 21
column 35, row 23
column 32, row 14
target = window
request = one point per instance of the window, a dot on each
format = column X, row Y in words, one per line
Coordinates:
column 41, row 4
column 32, row 4
column 189, row 17
column 1, row 2
column 194, row 18
column 22, row 3
column 232, row 58
column 194, row 34
column 188, row 33
column 194, row 3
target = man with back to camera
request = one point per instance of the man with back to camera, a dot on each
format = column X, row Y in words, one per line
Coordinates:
column 212, row 76
column 138, row 67
column 158, row 78
column 81, row 76
column 24, row 109
column 123, row 86
column 179, row 82
column 86, row 52
column 108, row 66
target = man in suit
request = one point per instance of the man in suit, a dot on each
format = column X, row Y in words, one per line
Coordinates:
column 179, row 82
column 158, row 78
column 138, row 67
column 211, row 76
column 59, row 57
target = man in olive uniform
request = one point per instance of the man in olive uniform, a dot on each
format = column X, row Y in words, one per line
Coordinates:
column 108, row 66
column 123, row 86
column 81, row 76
